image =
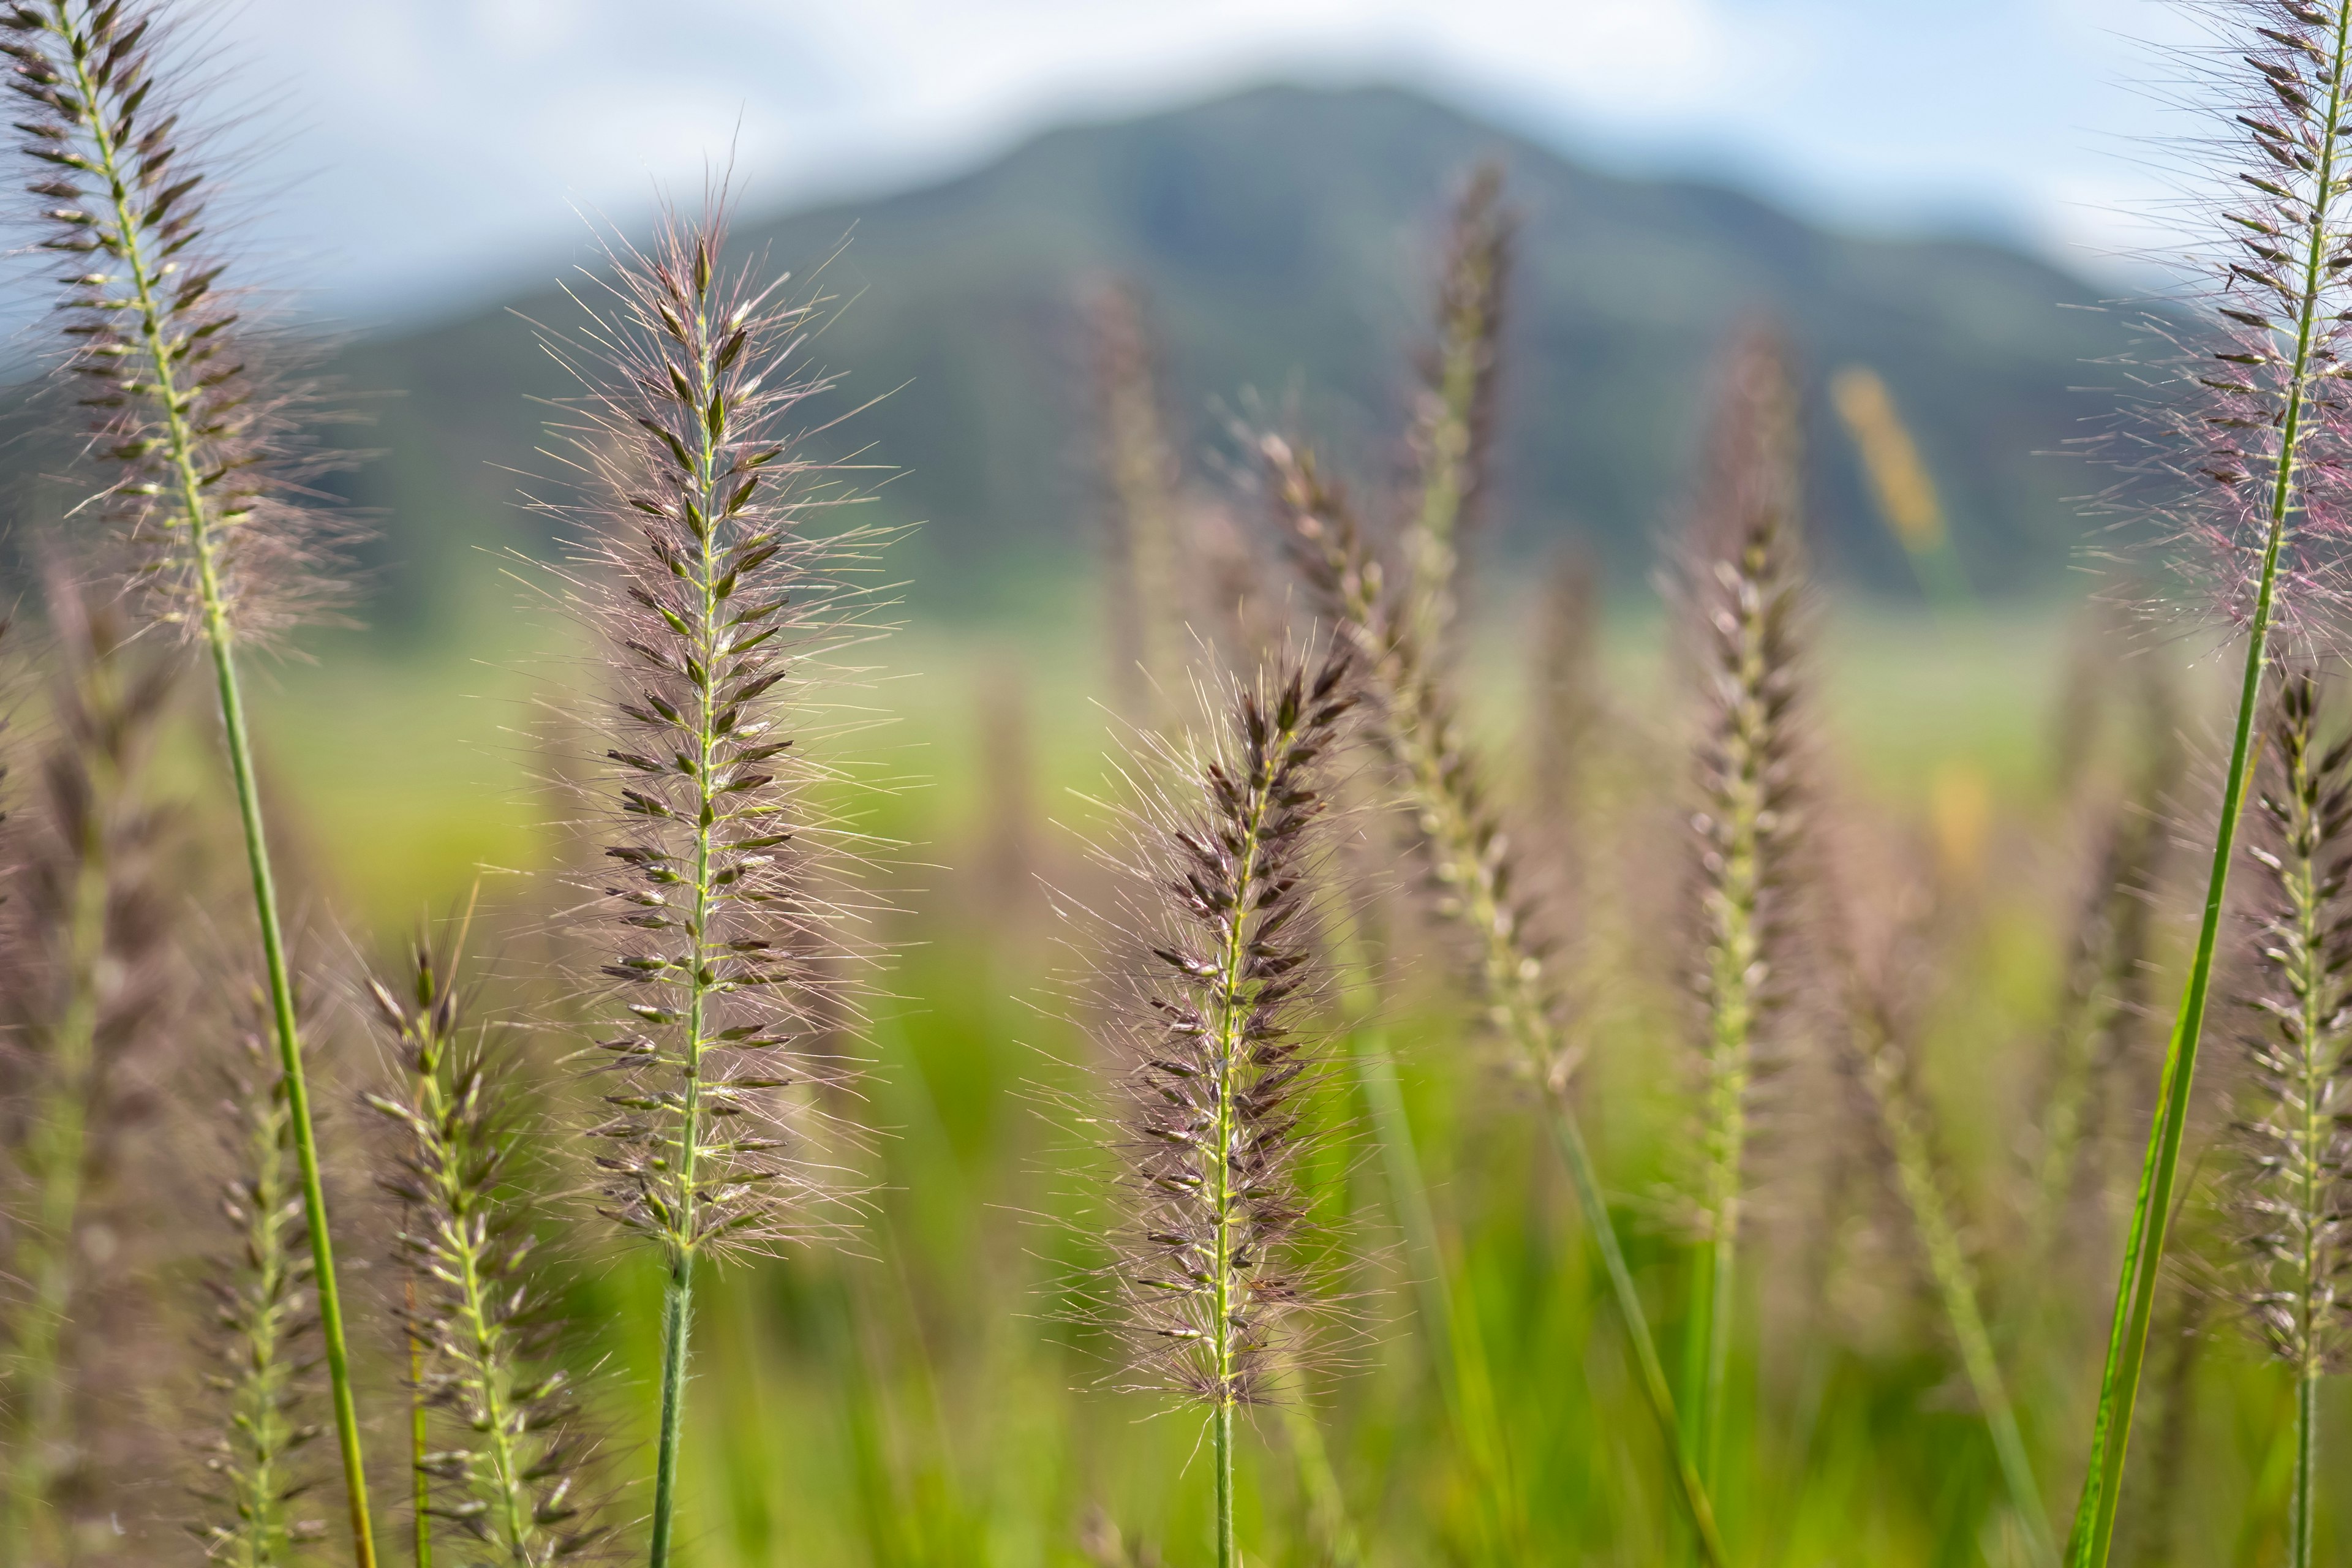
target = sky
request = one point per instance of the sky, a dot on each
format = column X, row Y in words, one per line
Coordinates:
column 412, row 154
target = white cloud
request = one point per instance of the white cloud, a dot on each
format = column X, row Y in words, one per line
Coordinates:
column 454, row 138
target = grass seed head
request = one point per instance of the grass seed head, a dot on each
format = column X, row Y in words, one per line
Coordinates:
column 259, row 1461
column 2293, row 1189
column 2242, row 437
column 712, row 577
column 510, row 1472
column 1208, row 1035
column 190, row 416
column 1744, row 602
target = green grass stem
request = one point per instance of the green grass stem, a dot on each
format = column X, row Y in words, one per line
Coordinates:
column 420, row 1436
column 1904, row 1123
column 677, row 1311
column 2306, row 1469
column 1457, row 1350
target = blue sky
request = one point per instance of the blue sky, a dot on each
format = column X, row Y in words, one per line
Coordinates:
column 421, row 148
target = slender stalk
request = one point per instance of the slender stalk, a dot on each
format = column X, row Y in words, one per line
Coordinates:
column 420, row 1435
column 1903, row 1122
column 1458, row 1350
column 1743, row 593
column 2095, row 1521
column 1211, row 1121
column 1569, row 1134
column 297, row 1097
column 2306, row 1469
column 1223, row 1443
column 693, row 521
column 1735, row 949
column 1233, row 1006
column 703, row 485
column 677, row 1308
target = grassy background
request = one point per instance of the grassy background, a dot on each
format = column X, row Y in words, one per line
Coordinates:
column 922, row 1398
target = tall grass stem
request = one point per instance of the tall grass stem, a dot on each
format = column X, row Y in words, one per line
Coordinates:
column 1904, row 1123
column 297, row 1094
column 1221, row 1440
column 677, row 1315
column 2094, row 1520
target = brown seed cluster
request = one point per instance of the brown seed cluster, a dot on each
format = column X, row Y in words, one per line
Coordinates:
column 2294, row 1195
column 1214, row 1129
column 707, row 583
column 261, row 1459
column 202, row 483
column 2260, row 444
column 511, row 1468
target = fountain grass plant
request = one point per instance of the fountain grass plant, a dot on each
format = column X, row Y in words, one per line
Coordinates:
column 2255, row 439
column 197, row 445
column 480, row 1317
column 1213, row 1067
column 710, row 578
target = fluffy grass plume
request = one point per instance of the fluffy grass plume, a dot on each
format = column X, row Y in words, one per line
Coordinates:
column 2262, row 428
column 1470, row 860
column 264, row 1338
column 1213, row 1064
column 1454, row 416
column 509, row 1475
column 2293, row 1193
column 83, row 989
column 1744, row 590
column 1152, row 590
column 193, row 445
column 708, row 583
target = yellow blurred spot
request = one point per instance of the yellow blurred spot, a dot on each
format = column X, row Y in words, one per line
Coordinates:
column 1960, row 814
column 1907, row 497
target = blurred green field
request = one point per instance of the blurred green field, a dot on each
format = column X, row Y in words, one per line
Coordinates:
column 921, row 1399
column 419, row 763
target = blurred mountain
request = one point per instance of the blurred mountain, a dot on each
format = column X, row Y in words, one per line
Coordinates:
column 1287, row 239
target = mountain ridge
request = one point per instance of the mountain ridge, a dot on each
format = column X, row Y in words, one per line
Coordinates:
column 1287, row 237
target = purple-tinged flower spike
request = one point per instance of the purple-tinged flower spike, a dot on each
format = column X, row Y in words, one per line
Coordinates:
column 489, row 1375
column 1214, row 1059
